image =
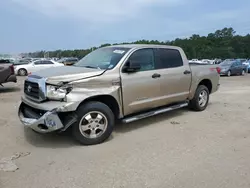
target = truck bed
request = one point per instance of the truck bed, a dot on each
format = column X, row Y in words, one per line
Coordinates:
column 7, row 73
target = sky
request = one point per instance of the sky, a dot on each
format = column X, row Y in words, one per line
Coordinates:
column 32, row 25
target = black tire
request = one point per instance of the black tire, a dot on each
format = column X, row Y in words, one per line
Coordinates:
column 194, row 103
column 86, row 108
column 22, row 72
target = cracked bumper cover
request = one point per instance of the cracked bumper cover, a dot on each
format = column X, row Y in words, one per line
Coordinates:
column 48, row 121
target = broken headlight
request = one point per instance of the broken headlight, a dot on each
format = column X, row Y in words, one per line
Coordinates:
column 58, row 92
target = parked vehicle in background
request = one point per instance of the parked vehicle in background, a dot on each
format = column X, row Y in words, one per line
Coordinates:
column 25, row 69
column 68, row 61
column 21, row 62
column 217, row 61
column 242, row 60
column 5, row 61
column 7, row 73
column 230, row 68
column 196, row 62
column 126, row 82
column 247, row 64
column 208, row 61
column 244, row 66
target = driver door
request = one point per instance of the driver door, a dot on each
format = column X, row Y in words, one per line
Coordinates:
column 140, row 90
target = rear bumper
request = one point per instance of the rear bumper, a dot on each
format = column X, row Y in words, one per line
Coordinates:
column 216, row 88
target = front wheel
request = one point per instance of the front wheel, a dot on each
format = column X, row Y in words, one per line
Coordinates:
column 229, row 73
column 95, row 123
column 200, row 100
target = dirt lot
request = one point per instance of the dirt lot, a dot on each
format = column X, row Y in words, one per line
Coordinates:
column 177, row 149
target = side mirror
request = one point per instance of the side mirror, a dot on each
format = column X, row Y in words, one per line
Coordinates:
column 132, row 66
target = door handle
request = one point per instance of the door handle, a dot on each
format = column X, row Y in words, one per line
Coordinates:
column 156, row 75
column 187, row 72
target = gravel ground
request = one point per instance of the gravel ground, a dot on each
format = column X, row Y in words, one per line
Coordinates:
column 178, row 149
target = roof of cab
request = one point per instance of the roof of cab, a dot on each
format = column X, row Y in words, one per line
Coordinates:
column 144, row 46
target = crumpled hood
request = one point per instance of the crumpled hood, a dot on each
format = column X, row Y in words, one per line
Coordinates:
column 67, row 73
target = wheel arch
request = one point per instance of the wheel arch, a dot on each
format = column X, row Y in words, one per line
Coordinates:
column 109, row 100
column 207, row 83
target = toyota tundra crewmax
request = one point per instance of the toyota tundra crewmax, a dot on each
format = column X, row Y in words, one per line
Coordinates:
column 120, row 82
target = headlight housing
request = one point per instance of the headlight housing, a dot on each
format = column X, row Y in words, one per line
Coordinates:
column 57, row 92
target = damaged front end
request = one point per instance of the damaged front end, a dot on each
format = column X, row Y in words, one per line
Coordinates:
column 43, row 121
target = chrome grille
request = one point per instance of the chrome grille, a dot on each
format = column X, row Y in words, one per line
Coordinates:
column 31, row 89
column 35, row 88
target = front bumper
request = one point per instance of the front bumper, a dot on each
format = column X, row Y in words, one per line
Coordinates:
column 45, row 120
column 222, row 73
column 48, row 122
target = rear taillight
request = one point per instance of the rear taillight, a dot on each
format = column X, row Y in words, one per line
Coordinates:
column 217, row 69
column 12, row 69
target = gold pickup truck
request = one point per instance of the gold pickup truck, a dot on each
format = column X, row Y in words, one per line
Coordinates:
column 121, row 82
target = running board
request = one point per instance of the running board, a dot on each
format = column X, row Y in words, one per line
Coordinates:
column 154, row 112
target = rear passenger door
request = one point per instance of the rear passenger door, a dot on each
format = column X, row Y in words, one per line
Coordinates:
column 175, row 75
column 234, row 68
column 239, row 67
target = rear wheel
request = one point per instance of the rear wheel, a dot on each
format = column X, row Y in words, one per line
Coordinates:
column 95, row 123
column 22, row 72
column 200, row 100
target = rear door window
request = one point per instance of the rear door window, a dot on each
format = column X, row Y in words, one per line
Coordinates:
column 38, row 62
column 167, row 58
column 47, row 63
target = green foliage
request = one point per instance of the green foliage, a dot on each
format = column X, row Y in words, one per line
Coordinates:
column 220, row 44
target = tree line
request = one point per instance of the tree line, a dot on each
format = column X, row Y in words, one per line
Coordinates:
column 224, row 43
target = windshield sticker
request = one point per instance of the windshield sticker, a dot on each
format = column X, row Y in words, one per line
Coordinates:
column 111, row 66
column 119, row 51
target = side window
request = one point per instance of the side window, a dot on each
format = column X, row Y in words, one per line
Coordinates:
column 38, row 63
column 168, row 58
column 234, row 64
column 47, row 63
column 145, row 57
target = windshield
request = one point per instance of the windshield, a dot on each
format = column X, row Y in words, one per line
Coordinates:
column 103, row 58
column 226, row 63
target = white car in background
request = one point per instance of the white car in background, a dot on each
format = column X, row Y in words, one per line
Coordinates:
column 34, row 66
column 208, row 61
